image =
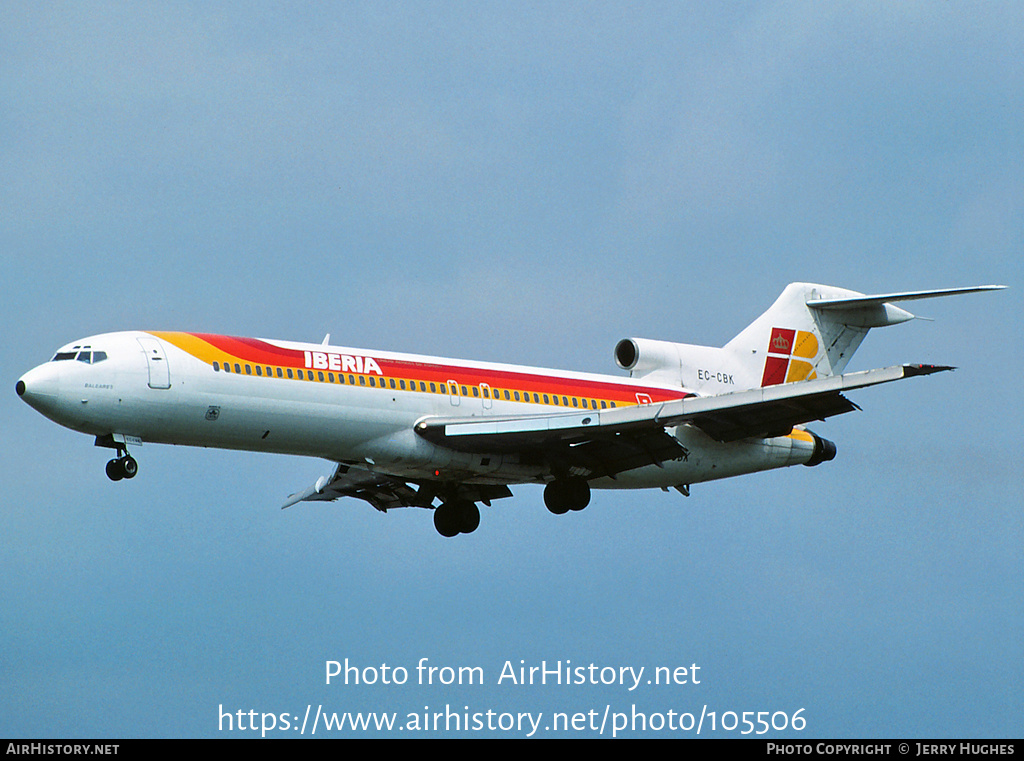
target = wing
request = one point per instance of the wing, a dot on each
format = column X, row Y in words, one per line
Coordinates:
column 607, row 442
column 602, row 443
column 385, row 491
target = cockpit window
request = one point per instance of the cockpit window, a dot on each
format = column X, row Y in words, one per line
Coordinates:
column 82, row 354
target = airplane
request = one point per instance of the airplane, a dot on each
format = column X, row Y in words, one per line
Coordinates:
column 415, row 431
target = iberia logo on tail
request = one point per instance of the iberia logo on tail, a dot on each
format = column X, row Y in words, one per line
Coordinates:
column 781, row 365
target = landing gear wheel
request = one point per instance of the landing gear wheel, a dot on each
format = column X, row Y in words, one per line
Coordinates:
column 446, row 520
column 456, row 517
column 554, row 498
column 469, row 516
column 565, row 494
column 114, row 472
column 580, row 493
column 129, row 467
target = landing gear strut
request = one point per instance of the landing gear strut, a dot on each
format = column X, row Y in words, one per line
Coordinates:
column 459, row 516
column 565, row 494
column 124, row 466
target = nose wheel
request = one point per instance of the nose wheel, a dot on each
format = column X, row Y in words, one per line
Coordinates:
column 124, row 466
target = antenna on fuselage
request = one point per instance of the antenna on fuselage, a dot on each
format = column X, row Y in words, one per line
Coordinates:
column 326, row 340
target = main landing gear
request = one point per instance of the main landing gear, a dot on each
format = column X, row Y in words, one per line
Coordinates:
column 459, row 516
column 462, row 516
column 565, row 494
column 124, row 466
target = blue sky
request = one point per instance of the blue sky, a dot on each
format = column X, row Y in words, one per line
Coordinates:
column 521, row 183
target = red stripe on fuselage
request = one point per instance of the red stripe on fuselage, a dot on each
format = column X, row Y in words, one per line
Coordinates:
column 264, row 353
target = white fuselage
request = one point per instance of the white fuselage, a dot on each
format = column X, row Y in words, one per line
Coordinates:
column 350, row 405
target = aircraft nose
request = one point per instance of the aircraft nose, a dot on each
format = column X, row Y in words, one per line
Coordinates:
column 39, row 387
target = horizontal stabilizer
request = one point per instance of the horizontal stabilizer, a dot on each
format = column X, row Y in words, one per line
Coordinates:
column 877, row 300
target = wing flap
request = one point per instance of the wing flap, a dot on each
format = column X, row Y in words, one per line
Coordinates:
column 379, row 489
column 386, row 492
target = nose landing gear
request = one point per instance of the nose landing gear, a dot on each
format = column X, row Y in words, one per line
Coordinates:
column 124, row 465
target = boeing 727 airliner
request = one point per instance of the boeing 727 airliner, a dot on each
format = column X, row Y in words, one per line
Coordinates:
column 414, row 431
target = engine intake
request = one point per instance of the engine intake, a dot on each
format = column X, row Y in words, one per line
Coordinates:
column 642, row 356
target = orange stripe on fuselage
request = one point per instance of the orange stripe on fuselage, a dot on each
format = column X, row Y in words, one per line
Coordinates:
column 210, row 348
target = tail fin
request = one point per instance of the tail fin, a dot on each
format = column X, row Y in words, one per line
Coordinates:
column 812, row 331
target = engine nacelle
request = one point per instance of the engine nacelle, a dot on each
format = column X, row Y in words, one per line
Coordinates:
column 824, row 450
column 643, row 356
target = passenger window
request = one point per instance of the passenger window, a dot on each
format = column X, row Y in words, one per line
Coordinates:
column 476, row 391
column 248, row 370
column 259, row 370
column 516, row 395
column 391, row 382
column 330, row 377
column 506, row 395
column 401, row 384
column 320, row 375
column 351, row 380
column 238, row 368
column 216, row 367
column 546, row 399
column 290, row 375
column 362, row 380
column 279, row 373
